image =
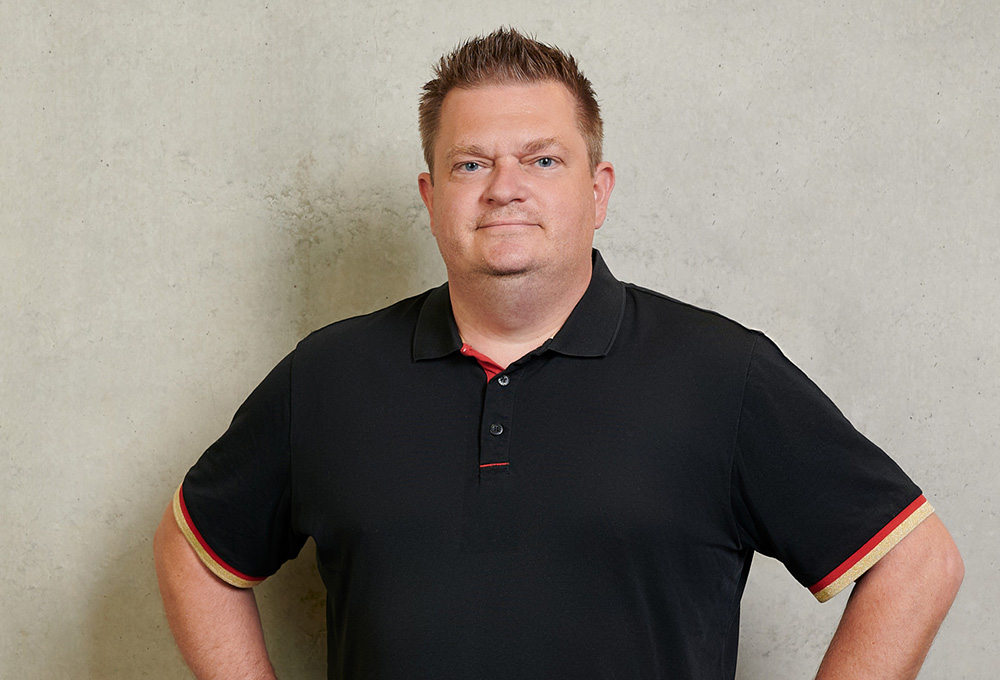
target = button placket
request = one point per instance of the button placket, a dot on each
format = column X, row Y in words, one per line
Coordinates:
column 498, row 405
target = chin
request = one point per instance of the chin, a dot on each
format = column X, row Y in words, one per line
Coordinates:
column 505, row 269
column 507, row 264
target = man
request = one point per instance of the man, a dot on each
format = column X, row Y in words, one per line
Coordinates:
column 536, row 470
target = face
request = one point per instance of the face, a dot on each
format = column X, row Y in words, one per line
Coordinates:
column 512, row 192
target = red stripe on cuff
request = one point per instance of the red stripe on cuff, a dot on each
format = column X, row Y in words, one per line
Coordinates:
column 869, row 546
column 201, row 541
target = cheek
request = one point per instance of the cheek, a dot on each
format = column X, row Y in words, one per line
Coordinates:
column 579, row 205
column 455, row 205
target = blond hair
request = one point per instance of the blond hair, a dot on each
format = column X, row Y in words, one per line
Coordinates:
column 507, row 57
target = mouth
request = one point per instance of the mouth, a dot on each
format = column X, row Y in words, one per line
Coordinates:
column 509, row 224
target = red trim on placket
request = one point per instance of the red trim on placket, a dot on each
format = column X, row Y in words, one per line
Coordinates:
column 490, row 367
column 206, row 547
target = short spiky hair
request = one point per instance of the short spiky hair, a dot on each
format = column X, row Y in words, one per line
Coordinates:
column 507, row 57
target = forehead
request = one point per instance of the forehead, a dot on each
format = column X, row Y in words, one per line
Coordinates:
column 508, row 113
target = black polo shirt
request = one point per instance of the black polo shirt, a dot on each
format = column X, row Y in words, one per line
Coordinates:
column 590, row 512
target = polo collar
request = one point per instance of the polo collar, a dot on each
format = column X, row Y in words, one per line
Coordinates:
column 437, row 334
column 592, row 327
column 590, row 330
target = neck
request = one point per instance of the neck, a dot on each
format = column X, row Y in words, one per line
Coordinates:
column 507, row 317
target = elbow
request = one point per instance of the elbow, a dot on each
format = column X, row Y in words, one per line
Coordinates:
column 930, row 562
column 163, row 540
column 943, row 567
column 952, row 570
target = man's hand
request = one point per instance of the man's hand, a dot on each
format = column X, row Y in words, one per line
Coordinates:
column 896, row 608
column 216, row 625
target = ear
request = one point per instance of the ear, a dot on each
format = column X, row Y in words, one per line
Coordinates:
column 426, row 187
column 604, row 182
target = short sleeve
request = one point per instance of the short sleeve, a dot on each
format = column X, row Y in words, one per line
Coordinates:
column 809, row 489
column 234, row 505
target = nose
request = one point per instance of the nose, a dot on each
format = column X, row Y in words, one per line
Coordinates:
column 507, row 183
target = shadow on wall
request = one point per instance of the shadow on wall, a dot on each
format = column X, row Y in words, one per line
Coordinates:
column 293, row 612
column 784, row 631
column 125, row 626
column 361, row 242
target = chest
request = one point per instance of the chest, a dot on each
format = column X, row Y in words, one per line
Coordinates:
column 555, row 452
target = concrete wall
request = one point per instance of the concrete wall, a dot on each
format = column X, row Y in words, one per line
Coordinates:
column 187, row 188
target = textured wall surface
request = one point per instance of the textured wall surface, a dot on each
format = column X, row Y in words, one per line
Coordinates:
column 188, row 188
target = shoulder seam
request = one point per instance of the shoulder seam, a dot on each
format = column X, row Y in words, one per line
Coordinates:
column 688, row 305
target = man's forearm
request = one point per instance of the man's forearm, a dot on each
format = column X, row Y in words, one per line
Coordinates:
column 216, row 625
column 896, row 608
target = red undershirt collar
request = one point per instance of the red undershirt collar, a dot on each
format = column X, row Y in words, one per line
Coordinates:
column 488, row 365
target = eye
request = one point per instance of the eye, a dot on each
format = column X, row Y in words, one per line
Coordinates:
column 545, row 162
column 469, row 166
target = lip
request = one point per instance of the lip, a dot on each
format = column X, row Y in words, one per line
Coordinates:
column 507, row 223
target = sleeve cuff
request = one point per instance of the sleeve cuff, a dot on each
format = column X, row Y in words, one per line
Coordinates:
column 872, row 551
column 208, row 556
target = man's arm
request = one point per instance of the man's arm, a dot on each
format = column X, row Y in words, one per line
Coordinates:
column 216, row 625
column 896, row 608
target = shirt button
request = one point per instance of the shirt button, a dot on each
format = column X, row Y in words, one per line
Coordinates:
column 496, row 429
column 503, row 380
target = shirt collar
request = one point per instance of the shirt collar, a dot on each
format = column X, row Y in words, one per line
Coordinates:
column 590, row 330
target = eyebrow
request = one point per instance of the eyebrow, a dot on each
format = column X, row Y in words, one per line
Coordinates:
column 540, row 144
column 465, row 150
column 533, row 146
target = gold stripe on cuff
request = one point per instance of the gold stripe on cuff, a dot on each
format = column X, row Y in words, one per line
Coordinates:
column 876, row 553
column 209, row 561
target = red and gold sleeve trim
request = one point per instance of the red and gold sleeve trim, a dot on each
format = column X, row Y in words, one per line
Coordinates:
column 205, row 553
column 872, row 551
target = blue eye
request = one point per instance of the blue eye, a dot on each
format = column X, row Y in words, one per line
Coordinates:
column 545, row 162
column 471, row 166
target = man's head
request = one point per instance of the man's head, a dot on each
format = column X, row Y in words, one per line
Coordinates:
column 506, row 57
column 514, row 192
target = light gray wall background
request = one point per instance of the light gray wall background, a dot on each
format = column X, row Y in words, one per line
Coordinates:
column 188, row 188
